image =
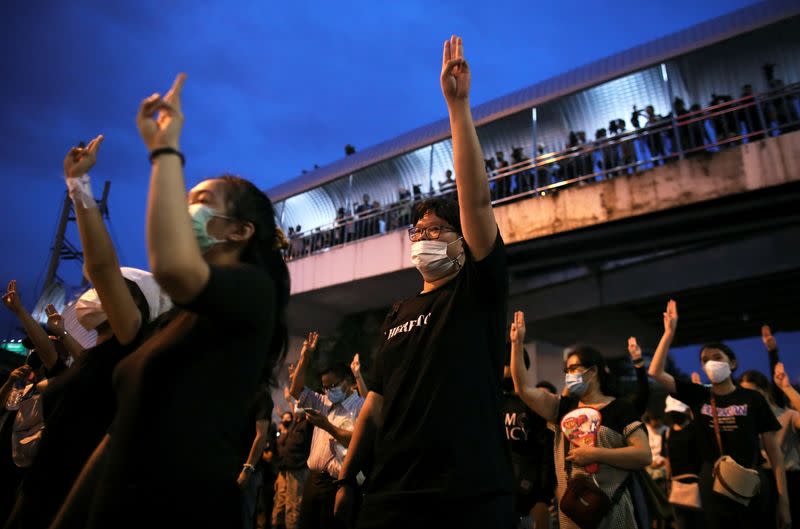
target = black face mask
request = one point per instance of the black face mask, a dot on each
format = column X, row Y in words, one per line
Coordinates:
column 678, row 417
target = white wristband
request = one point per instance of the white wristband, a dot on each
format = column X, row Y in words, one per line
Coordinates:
column 80, row 191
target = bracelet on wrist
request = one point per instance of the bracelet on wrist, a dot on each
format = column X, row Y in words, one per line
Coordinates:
column 247, row 467
column 155, row 153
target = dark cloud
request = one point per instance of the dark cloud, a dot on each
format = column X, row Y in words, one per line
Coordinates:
column 272, row 88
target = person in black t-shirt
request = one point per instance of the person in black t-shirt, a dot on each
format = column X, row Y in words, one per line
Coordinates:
column 531, row 451
column 435, row 379
column 744, row 419
column 173, row 453
column 79, row 404
column 683, row 461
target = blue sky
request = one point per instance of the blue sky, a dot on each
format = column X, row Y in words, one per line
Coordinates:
column 273, row 87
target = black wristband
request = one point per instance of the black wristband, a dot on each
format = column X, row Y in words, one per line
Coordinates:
column 155, row 153
column 350, row 482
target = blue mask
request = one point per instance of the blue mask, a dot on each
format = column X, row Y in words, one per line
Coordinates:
column 335, row 395
column 201, row 215
column 576, row 386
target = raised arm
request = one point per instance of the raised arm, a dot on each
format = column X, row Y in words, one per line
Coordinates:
column 299, row 375
column 542, row 402
column 44, row 347
column 477, row 218
column 20, row 373
column 785, row 385
column 175, row 258
column 355, row 367
column 660, row 358
column 775, row 454
column 642, row 395
column 771, row 345
column 56, row 325
column 99, row 256
column 359, row 454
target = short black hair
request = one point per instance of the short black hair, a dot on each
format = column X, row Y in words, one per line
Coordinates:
column 591, row 357
column 441, row 207
column 507, row 359
column 756, row 378
column 722, row 347
column 548, row 386
column 34, row 360
column 340, row 370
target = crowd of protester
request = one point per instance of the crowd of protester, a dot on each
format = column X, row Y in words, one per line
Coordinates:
column 653, row 140
column 167, row 420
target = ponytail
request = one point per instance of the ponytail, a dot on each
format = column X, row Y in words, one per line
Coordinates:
column 248, row 203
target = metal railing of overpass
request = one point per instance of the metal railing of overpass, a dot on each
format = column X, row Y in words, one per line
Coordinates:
column 678, row 136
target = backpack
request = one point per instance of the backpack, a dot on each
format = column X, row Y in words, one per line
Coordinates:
column 27, row 429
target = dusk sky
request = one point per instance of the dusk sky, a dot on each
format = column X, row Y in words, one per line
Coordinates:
column 272, row 88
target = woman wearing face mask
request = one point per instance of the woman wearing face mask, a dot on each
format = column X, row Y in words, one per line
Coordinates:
column 683, row 462
column 788, row 438
column 621, row 444
column 173, row 454
column 441, row 349
column 743, row 416
column 79, row 405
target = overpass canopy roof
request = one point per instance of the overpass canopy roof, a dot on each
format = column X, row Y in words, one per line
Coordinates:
column 312, row 198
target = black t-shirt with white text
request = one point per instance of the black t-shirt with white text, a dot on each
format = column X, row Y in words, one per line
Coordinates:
column 681, row 450
column 526, row 435
column 439, row 368
column 742, row 414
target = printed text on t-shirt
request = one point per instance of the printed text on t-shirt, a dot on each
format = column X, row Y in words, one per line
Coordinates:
column 516, row 427
column 420, row 321
column 726, row 416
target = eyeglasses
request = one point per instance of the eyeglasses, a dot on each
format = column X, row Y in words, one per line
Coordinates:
column 574, row 368
column 430, row 233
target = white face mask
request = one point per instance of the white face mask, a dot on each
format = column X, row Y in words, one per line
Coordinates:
column 201, row 215
column 717, row 371
column 431, row 259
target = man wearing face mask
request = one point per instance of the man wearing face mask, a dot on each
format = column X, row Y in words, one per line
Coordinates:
column 743, row 419
column 430, row 427
column 334, row 415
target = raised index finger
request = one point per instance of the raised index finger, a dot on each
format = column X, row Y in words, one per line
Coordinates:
column 174, row 94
